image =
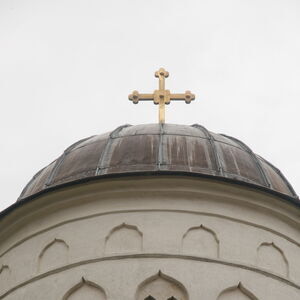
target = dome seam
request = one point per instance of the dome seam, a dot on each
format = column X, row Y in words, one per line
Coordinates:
column 59, row 162
column 254, row 158
column 160, row 158
column 213, row 146
column 105, row 152
column 282, row 176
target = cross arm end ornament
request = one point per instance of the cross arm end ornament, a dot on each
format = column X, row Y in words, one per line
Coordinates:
column 161, row 73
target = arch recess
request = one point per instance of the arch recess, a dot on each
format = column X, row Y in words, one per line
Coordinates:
column 271, row 257
column 4, row 275
column 238, row 292
column 86, row 290
column 124, row 238
column 161, row 287
column 201, row 240
column 53, row 255
column 4, row 269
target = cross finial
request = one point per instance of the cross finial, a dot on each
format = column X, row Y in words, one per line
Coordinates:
column 161, row 96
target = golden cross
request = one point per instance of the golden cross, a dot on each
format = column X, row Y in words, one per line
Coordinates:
column 161, row 96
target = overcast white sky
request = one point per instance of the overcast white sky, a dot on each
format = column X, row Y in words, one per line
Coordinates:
column 67, row 67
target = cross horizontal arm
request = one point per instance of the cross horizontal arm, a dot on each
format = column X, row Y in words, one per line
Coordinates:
column 146, row 97
column 187, row 97
column 177, row 97
column 135, row 97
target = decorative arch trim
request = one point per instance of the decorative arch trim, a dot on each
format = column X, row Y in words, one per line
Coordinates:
column 138, row 243
column 123, row 225
column 240, row 287
column 80, row 284
column 205, row 229
column 50, row 244
column 272, row 244
column 3, row 268
column 164, row 276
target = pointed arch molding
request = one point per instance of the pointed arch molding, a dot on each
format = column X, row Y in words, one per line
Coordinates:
column 272, row 257
column 234, row 291
column 3, row 268
column 205, row 245
column 95, row 288
column 5, row 273
column 53, row 255
column 161, row 286
column 124, row 238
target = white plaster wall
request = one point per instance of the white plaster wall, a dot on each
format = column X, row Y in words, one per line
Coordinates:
column 116, row 233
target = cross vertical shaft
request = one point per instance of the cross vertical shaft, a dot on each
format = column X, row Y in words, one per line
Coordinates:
column 161, row 77
column 161, row 74
column 161, row 111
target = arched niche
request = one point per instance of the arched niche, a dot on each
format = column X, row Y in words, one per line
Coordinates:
column 271, row 257
column 4, row 269
column 86, row 290
column 123, row 239
column 4, row 274
column 53, row 255
column 238, row 292
column 201, row 240
column 161, row 287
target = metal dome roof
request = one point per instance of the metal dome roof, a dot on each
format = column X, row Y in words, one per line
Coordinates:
column 157, row 149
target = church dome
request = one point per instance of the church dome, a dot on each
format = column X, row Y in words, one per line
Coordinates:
column 159, row 149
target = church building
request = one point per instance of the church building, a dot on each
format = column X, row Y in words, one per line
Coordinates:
column 153, row 212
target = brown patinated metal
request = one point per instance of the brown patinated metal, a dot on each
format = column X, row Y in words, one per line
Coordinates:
column 161, row 96
column 155, row 149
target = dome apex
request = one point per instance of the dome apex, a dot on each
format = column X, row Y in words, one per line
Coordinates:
column 158, row 149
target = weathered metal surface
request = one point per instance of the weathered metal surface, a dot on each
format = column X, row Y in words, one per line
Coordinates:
column 157, row 148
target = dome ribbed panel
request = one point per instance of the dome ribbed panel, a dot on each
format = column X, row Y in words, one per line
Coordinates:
column 145, row 149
